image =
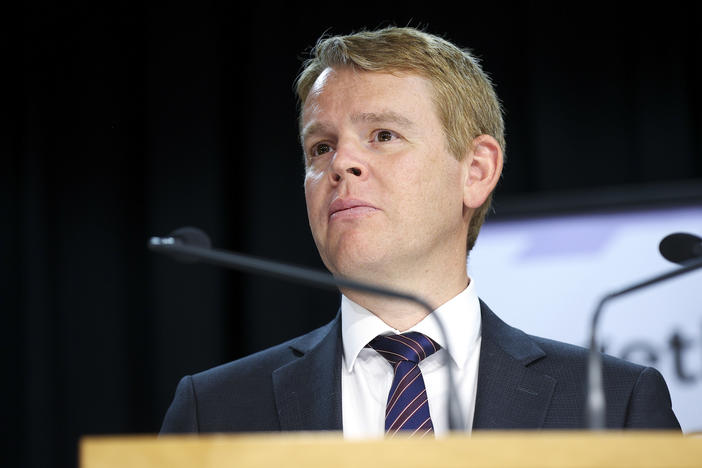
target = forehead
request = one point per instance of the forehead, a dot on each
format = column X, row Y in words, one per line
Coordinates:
column 354, row 92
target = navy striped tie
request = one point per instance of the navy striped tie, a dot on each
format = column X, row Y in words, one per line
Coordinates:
column 407, row 407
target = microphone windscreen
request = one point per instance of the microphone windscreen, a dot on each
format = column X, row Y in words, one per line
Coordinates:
column 192, row 236
column 681, row 247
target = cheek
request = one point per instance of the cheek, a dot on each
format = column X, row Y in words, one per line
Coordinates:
column 313, row 199
column 314, row 182
column 313, row 174
column 418, row 179
column 434, row 186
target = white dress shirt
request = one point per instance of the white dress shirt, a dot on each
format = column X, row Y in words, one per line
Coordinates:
column 366, row 376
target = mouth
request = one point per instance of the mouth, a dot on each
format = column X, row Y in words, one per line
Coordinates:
column 349, row 208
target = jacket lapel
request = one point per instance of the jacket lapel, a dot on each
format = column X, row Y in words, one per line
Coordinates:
column 510, row 395
column 308, row 390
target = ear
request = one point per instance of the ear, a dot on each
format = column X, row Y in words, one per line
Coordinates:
column 484, row 166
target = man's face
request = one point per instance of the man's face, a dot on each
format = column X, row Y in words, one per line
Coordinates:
column 383, row 193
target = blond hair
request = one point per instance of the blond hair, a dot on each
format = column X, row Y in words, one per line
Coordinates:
column 465, row 100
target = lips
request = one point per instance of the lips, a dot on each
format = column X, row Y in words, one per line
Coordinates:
column 349, row 208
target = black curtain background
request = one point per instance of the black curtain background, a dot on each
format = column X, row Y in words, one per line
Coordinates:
column 123, row 122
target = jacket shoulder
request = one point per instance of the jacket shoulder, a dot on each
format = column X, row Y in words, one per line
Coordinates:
column 261, row 364
column 636, row 396
column 236, row 396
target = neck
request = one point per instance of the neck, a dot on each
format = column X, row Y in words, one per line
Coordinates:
column 402, row 314
column 438, row 277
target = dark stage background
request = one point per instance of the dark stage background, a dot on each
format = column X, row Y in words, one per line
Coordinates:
column 130, row 121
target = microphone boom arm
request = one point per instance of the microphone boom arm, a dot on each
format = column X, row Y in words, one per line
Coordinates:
column 306, row 276
column 596, row 416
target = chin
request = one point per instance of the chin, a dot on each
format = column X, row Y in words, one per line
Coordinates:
column 358, row 264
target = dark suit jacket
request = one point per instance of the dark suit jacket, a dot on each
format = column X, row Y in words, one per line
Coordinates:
column 524, row 382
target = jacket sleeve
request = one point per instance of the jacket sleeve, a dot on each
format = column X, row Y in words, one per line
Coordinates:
column 181, row 416
column 650, row 406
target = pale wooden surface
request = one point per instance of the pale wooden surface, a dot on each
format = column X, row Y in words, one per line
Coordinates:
column 503, row 449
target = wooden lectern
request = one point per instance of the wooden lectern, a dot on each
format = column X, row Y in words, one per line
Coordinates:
column 310, row 450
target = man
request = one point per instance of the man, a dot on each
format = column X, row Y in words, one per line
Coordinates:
column 403, row 141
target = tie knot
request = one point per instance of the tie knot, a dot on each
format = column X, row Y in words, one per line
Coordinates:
column 411, row 346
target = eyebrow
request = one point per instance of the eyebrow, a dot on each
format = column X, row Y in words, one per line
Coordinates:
column 385, row 116
column 312, row 129
column 370, row 117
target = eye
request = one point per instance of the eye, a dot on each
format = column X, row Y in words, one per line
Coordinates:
column 384, row 135
column 320, row 149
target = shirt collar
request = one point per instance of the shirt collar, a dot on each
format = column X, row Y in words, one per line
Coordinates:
column 460, row 317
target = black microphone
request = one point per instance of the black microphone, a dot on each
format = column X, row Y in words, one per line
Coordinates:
column 595, row 410
column 681, row 247
column 184, row 236
column 191, row 244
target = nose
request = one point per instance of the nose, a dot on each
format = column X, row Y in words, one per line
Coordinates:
column 337, row 175
column 347, row 163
